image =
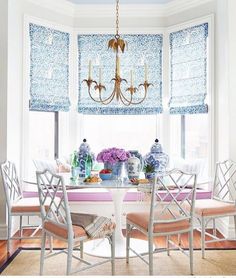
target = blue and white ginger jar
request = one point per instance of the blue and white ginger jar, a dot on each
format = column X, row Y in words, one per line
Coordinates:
column 84, row 151
column 157, row 158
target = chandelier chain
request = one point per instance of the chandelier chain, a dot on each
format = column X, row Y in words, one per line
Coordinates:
column 117, row 18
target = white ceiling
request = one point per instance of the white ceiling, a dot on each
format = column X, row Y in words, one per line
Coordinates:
column 105, row 2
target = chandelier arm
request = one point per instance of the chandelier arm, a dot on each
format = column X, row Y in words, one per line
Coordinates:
column 104, row 100
column 89, row 91
column 126, row 98
column 142, row 100
column 110, row 98
column 122, row 98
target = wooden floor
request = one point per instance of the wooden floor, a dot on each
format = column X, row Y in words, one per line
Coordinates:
column 159, row 242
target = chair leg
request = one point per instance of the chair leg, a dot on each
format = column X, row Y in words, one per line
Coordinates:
column 113, row 253
column 203, row 237
column 21, row 225
column 150, row 252
column 50, row 238
column 191, row 251
column 168, row 245
column 235, row 225
column 9, row 233
column 81, row 247
column 43, row 242
column 127, row 242
column 179, row 239
column 214, row 227
column 69, row 257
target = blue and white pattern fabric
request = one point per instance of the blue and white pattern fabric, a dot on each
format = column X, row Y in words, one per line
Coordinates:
column 141, row 49
column 188, row 54
column 49, row 69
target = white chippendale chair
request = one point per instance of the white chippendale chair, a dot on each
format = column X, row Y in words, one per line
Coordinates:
column 169, row 215
column 57, row 222
column 222, row 203
column 17, row 205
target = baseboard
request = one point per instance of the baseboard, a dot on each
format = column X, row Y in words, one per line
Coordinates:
column 3, row 231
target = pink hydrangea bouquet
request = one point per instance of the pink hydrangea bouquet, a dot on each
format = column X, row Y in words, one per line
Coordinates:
column 113, row 155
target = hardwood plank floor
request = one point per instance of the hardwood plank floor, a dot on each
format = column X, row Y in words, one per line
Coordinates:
column 159, row 242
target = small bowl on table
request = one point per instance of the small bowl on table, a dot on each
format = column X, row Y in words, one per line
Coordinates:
column 105, row 175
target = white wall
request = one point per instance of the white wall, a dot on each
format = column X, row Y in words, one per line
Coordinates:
column 3, row 105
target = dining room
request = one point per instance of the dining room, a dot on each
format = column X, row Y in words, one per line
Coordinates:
column 117, row 138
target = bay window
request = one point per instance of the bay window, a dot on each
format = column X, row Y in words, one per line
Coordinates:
column 183, row 130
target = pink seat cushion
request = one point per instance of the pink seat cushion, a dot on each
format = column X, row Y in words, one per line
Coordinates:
column 62, row 232
column 26, row 205
column 142, row 220
column 213, row 207
column 30, row 205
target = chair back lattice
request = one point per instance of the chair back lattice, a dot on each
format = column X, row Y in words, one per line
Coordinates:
column 224, row 187
column 173, row 197
column 11, row 183
column 54, row 208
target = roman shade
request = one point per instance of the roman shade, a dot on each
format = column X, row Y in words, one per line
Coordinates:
column 49, row 69
column 141, row 49
column 188, row 62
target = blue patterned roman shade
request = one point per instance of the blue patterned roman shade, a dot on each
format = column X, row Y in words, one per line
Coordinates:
column 49, row 69
column 188, row 54
column 141, row 48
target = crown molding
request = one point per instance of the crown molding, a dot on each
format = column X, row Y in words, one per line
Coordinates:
column 100, row 11
column 59, row 6
column 178, row 6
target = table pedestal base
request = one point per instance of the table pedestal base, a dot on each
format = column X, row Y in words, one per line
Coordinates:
column 101, row 247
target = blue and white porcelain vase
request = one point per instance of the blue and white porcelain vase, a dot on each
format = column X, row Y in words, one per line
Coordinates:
column 116, row 168
column 157, row 158
column 84, row 151
column 134, row 167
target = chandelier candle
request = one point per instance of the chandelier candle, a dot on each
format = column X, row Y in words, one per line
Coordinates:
column 131, row 78
column 100, row 75
column 145, row 66
column 90, row 70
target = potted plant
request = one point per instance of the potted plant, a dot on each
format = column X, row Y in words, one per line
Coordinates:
column 149, row 171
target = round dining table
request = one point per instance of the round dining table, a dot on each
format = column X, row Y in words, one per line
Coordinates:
column 101, row 247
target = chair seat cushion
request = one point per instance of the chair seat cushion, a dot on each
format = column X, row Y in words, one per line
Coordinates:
column 213, row 207
column 142, row 220
column 62, row 232
column 30, row 205
column 26, row 205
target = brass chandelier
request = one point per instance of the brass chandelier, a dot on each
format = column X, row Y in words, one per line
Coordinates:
column 117, row 44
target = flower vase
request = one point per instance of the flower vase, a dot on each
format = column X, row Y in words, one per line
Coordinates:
column 116, row 168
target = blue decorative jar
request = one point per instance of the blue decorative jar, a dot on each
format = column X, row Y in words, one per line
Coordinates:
column 157, row 158
column 116, row 168
column 84, row 151
column 134, row 164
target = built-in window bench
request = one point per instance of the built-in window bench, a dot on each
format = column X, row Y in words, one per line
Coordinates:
column 102, row 195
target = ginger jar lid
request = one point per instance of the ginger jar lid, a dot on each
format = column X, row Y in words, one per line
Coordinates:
column 84, row 147
column 156, row 147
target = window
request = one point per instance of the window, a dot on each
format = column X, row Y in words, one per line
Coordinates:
column 131, row 132
column 41, row 137
column 190, row 144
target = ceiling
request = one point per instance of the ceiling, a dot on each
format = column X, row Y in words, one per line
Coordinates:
column 105, row 2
